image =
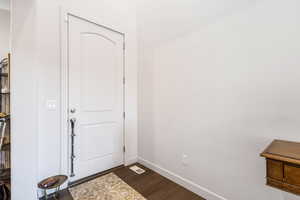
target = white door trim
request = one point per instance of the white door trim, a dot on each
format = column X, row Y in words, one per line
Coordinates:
column 64, row 123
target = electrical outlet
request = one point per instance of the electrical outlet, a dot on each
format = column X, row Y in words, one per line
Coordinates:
column 184, row 160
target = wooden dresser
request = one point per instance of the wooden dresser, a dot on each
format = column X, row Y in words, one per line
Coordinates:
column 283, row 165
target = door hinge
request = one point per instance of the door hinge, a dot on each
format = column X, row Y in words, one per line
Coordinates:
column 124, row 115
column 124, row 149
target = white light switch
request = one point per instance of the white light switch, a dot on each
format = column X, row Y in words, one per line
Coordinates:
column 51, row 105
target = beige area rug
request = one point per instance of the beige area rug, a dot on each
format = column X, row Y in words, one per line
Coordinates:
column 107, row 187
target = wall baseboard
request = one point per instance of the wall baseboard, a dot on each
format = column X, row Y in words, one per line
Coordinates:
column 201, row 191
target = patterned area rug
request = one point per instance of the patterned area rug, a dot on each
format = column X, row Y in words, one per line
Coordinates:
column 107, row 187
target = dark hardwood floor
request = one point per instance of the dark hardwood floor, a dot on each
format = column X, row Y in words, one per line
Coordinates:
column 150, row 184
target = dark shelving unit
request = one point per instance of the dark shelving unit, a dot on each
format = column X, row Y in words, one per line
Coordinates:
column 5, row 139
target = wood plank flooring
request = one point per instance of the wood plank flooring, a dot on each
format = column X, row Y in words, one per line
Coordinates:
column 150, row 184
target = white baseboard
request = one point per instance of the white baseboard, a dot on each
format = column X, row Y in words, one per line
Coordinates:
column 201, row 191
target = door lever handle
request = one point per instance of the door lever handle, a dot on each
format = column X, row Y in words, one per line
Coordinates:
column 72, row 110
column 73, row 120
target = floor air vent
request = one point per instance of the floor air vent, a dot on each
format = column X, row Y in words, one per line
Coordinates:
column 137, row 169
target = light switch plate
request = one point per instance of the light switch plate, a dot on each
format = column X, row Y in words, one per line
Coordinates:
column 184, row 159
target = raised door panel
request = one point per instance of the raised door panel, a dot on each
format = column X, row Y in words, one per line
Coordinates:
column 275, row 169
column 292, row 174
column 98, row 72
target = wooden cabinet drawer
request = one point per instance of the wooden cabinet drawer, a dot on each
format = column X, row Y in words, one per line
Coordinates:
column 274, row 183
column 290, row 188
column 283, row 186
column 275, row 169
column 292, row 174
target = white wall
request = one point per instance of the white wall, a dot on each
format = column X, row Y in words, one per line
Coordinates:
column 24, row 100
column 119, row 15
column 219, row 80
column 4, row 32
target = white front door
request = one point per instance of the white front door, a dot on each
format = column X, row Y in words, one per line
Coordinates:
column 96, row 73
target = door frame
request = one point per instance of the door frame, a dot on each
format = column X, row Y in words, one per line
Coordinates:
column 65, row 145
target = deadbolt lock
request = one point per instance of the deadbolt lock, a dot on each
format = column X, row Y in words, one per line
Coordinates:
column 72, row 110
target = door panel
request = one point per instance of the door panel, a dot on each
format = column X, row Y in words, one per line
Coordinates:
column 96, row 92
column 98, row 135
column 274, row 169
column 104, row 98
column 292, row 174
